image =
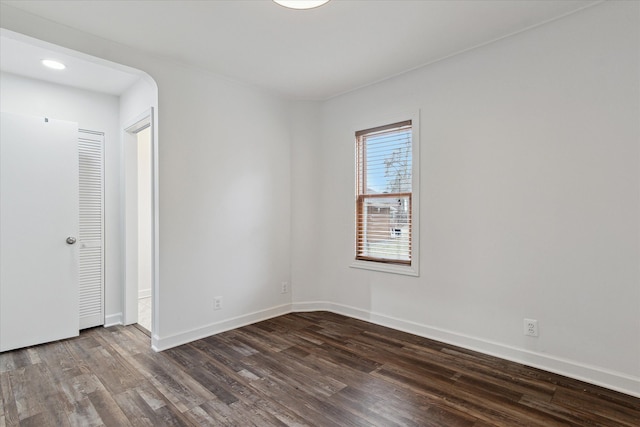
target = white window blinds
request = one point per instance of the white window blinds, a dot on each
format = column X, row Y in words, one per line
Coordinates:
column 384, row 194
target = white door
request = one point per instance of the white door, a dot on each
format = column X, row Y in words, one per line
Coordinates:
column 38, row 212
column 91, row 231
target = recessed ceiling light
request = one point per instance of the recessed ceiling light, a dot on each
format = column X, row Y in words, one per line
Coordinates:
column 301, row 4
column 53, row 64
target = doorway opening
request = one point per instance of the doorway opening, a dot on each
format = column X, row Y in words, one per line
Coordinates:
column 139, row 222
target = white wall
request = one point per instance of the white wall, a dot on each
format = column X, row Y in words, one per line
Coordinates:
column 93, row 111
column 529, row 199
column 305, row 127
column 224, row 202
column 137, row 100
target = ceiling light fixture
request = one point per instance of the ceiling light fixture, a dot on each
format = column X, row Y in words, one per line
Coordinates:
column 53, row 64
column 301, row 4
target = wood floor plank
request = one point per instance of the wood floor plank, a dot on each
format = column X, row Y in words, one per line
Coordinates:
column 84, row 414
column 209, row 370
column 447, row 366
column 55, row 406
column 202, row 418
column 143, row 408
column 301, row 369
column 611, row 414
column 10, row 417
column 498, row 409
column 135, row 408
column 2, row 400
column 37, row 420
column 298, row 375
column 223, row 414
column 105, row 363
column 126, row 341
column 108, row 409
column 367, row 407
column 316, row 411
column 26, row 391
column 175, row 384
column 60, row 362
column 256, row 415
column 216, row 383
column 340, row 353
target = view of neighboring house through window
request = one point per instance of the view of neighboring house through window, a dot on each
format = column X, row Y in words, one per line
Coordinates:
column 384, row 194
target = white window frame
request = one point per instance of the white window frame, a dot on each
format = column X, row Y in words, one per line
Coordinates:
column 414, row 268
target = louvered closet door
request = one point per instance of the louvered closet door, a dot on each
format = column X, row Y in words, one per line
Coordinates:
column 91, row 234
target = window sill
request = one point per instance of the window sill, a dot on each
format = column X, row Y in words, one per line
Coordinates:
column 386, row 268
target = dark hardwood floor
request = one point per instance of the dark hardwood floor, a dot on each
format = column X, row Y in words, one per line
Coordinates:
column 317, row 369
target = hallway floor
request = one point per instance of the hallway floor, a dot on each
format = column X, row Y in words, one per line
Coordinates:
column 144, row 313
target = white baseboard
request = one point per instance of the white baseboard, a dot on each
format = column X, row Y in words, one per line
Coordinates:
column 112, row 319
column 592, row 374
column 164, row 343
column 144, row 293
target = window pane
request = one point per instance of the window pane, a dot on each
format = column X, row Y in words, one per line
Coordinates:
column 388, row 162
column 385, row 228
column 384, row 189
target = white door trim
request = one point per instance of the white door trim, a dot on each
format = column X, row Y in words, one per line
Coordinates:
column 130, row 252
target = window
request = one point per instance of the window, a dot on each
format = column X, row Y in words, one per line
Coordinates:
column 385, row 198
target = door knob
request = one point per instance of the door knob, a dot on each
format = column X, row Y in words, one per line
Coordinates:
column 71, row 240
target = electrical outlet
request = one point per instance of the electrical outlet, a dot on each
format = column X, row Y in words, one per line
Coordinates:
column 217, row 303
column 531, row 327
column 284, row 287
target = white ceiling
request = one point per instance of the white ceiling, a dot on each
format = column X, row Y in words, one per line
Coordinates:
column 312, row 54
column 22, row 55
